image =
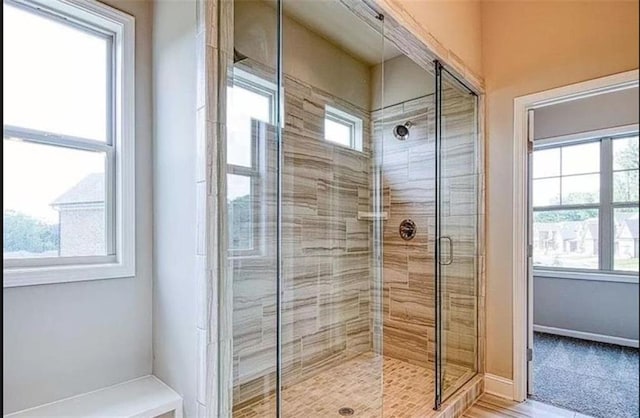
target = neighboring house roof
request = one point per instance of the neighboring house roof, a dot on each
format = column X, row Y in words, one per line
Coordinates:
column 632, row 226
column 88, row 190
column 570, row 230
column 592, row 228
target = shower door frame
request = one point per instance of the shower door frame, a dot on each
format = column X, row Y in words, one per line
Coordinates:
column 214, row 52
column 440, row 71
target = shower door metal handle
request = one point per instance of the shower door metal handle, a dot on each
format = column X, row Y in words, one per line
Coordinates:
column 450, row 258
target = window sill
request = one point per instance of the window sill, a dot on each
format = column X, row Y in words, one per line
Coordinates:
column 594, row 276
column 30, row 276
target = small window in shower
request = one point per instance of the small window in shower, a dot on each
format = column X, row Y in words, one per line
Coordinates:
column 342, row 128
column 251, row 110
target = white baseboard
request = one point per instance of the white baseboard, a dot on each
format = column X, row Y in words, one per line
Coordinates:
column 498, row 386
column 587, row 336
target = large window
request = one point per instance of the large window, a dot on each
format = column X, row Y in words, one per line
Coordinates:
column 67, row 142
column 585, row 204
column 251, row 109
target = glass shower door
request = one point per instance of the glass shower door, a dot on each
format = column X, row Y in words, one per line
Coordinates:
column 456, row 231
column 329, row 300
column 301, row 299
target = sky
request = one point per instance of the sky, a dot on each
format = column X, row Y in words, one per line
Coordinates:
column 579, row 166
column 244, row 105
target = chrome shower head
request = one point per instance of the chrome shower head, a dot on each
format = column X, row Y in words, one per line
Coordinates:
column 401, row 132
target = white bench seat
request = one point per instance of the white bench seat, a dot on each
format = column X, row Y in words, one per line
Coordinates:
column 144, row 397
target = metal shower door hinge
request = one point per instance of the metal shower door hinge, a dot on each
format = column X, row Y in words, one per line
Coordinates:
column 530, row 132
column 529, row 354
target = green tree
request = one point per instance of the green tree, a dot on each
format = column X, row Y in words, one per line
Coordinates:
column 625, row 183
column 571, row 215
column 567, row 215
column 25, row 233
column 627, row 158
column 241, row 222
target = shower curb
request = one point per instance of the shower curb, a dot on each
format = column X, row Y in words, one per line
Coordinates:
column 462, row 400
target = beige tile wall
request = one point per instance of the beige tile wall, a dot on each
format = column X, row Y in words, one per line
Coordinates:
column 326, row 251
column 215, row 50
column 408, row 173
column 409, row 188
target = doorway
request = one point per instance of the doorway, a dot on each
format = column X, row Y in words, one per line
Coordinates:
column 574, row 339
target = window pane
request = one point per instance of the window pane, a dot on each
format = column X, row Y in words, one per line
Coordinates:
column 546, row 163
column 581, row 189
column 337, row 132
column 55, row 76
column 244, row 105
column 579, row 159
column 566, row 239
column 625, row 153
column 54, row 201
column 240, row 204
column 546, row 192
column 625, row 186
column 626, row 239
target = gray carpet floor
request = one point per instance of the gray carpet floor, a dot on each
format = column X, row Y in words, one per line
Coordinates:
column 592, row 378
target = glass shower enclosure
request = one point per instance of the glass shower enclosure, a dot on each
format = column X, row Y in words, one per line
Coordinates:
column 456, row 232
column 350, row 245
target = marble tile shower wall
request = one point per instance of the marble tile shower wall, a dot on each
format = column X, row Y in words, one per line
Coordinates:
column 461, row 214
column 408, row 169
column 408, row 172
column 214, row 40
column 326, row 251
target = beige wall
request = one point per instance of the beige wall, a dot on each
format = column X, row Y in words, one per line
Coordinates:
column 454, row 23
column 530, row 47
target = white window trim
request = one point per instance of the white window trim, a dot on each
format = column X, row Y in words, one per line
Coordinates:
column 252, row 82
column 595, row 275
column 257, row 172
column 354, row 122
column 577, row 138
column 26, row 272
column 605, row 205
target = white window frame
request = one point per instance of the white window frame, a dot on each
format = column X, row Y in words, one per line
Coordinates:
column 257, row 172
column 120, row 27
column 353, row 122
column 605, row 206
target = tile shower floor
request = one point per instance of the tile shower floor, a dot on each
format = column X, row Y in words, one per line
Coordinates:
column 407, row 391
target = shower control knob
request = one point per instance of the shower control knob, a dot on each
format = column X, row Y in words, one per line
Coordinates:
column 407, row 229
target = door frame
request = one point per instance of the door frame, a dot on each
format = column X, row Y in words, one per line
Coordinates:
column 522, row 298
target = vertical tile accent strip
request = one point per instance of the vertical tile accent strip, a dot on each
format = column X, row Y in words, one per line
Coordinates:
column 202, row 216
column 207, row 264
